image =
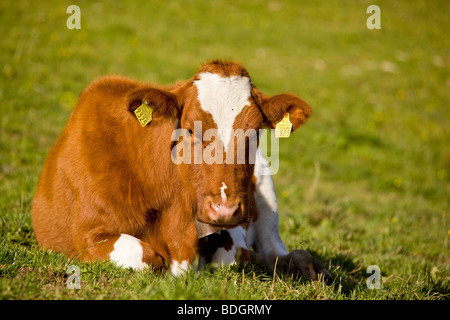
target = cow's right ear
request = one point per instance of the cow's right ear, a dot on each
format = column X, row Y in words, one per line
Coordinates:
column 276, row 107
column 163, row 102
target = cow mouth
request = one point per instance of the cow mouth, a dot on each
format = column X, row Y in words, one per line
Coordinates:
column 220, row 225
column 204, row 229
column 225, row 226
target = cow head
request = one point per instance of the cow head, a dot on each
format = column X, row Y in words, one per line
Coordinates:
column 218, row 115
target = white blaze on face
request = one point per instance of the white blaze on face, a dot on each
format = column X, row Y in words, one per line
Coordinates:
column 224, row 98
column 222, row 192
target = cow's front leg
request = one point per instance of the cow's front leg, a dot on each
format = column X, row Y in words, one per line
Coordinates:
column 264, row 233
column 123, row 250
column 301, row 264
column 176, row 238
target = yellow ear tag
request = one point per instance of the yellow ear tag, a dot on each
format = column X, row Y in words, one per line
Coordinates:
column 283, row 128
column 144, row 114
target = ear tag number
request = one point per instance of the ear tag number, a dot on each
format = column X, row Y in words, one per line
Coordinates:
column 144, row 114
column 283, row 128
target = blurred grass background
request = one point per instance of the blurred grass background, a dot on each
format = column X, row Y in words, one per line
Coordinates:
column 365, row 181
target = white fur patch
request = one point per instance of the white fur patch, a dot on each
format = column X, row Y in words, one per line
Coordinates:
column 222, row 192
column 265, row 189
column 177, row 268
column 224, row 98
column 128, row 253
column 264, row 232
column 228, row 257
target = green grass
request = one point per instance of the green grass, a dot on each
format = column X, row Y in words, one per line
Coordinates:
column 365, row 182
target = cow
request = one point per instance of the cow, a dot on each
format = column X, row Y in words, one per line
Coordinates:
column 112, row 187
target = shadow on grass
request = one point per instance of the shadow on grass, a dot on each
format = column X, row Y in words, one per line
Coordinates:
column 347, row 272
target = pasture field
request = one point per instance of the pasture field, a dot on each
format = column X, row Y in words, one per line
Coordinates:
column 366, row 181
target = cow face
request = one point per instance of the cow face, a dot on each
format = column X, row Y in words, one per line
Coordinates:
column 218, row 114
column 222, row 113
column 219, row 125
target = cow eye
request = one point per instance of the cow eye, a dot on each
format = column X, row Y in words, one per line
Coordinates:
column 190, row 132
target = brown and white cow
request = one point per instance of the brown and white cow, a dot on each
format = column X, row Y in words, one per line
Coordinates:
column 111, row 189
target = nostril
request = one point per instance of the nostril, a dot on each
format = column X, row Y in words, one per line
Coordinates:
column 238, row 210
column 214, row 206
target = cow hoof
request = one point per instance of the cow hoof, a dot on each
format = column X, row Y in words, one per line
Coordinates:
column 301, row 264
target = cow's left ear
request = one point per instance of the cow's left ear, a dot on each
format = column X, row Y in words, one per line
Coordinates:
column 274, row 108
column 163, row 102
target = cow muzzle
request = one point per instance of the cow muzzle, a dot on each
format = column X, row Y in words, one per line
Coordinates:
column 222, row 214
